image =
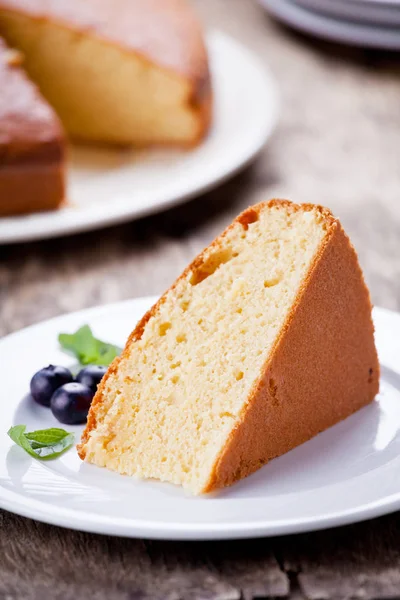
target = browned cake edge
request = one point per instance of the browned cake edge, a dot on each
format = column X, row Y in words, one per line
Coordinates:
column 27, row 188
column 282, row 364
column 30, row 131
column 32, row 145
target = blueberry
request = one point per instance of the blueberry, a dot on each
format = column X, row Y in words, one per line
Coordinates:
column 45, row 382
column 71, row 402
column 91, row 376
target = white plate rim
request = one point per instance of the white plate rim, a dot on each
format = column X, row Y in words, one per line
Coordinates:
column 175, row 531
column 354, row 10
column 83, row 521
column 35, row 226
column 329, row 28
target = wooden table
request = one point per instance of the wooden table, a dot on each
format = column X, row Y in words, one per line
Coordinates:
column 338, row 143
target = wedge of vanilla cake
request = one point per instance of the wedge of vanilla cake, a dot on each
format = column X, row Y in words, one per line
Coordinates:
column 264, row 341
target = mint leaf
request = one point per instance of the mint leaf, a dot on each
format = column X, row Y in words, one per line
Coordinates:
column 107, row 353
column 18, row 436
column 44, row 444
column 52, row 451
column 47, row 436
column 88, row 349
column 82, row 344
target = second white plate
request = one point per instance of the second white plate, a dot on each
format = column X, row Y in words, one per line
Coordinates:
column 333, row 29
column 346, row 474
column 107, row 187
column 360, row 11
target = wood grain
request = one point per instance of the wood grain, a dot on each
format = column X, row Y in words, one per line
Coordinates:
column 337, row 144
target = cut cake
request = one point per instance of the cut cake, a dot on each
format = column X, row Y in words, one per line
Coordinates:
column 32, row 144
column 116, row 71
column 264, row 341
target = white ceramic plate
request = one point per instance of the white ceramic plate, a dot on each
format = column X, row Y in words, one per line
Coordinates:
column 387, row 14
column 346, row 474
column 329, row 28
column 110, row 186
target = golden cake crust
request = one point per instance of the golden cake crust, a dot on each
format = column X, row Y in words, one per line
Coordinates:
column 163, row 32
column 278, row 414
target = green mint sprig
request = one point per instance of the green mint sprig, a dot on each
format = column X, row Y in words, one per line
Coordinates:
column 44, row 444
column 88, row 349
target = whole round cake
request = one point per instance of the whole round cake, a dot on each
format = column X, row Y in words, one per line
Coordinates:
column 123, row 72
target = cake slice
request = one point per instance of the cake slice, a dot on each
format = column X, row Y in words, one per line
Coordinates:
column 264, row 341
column 32, row 145
column 116, row 71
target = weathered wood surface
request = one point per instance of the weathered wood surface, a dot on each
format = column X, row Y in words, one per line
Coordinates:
column 338, row 143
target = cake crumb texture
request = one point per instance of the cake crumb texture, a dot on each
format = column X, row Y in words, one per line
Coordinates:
column 264, row 341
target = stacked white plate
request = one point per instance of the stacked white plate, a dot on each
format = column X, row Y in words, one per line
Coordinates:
column 370, row 23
